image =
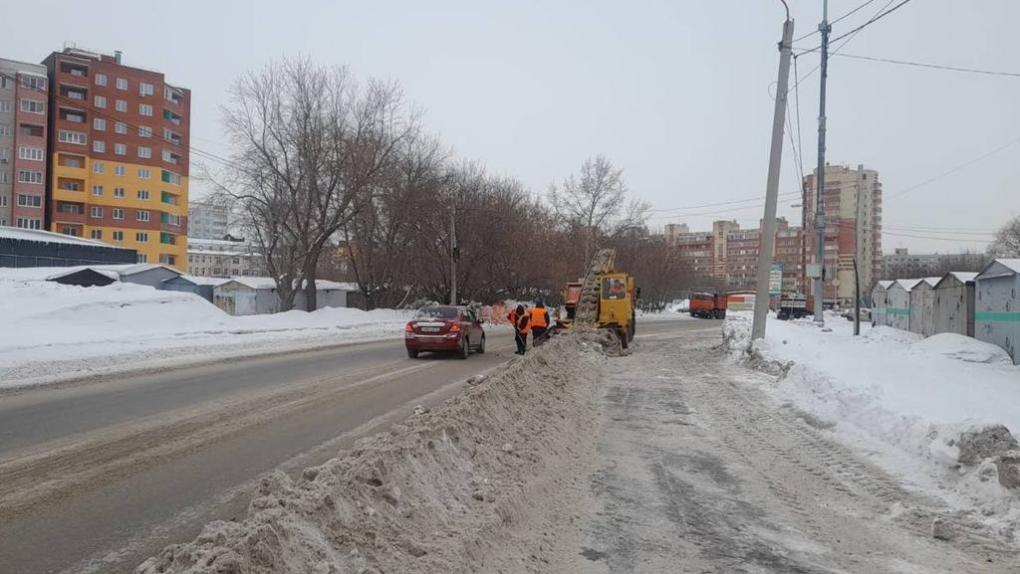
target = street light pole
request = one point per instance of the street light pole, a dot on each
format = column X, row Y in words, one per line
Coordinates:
column 819, row 290
column 453, row 256
column 768, row 232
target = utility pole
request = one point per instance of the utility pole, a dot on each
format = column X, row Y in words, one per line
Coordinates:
column 453, row 256
column 768, row 232
column 824, row 28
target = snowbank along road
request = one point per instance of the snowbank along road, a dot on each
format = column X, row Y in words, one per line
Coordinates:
column 97, row 476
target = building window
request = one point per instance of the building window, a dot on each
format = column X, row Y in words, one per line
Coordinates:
column 67, row 136
column 3, row 179
column 143, row 258
column 100, row 79
column 97, row 234
column 118, row 235
column 32, row 106
column 144, row 173
column 118, row 213
column 30, row 153
column 143, row 194
column 29, row 200
column 29, row 223
column 142, row 215
column 118, row 192
column 122, row 83
column 145, row 109
column 28, row 176
column 145, row 89
column 98, row 146
column 142, row 237
column 33, row 83
column 144, row 152
column 167, row 259
column 99, row 124
column 120, row 105
column 167, row 239
column 120, row 127
column 170, row 177
column 5, row 130
column 5, row 82
column 5, row 106
column 119, row 149
column 144, row 131
column 97, row 190
column 96, row 212
column 100, row 101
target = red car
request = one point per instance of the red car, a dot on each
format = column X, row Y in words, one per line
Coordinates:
column 445, row 328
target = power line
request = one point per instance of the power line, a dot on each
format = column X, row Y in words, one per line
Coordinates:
column 932, row 66
column 955, row 169
column 881, row 14
column 837, row 20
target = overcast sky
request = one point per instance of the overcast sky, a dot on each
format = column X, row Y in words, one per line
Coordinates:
column 674, row 92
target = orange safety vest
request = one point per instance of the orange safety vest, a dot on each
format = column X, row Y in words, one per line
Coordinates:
column 512, row 317
column 523, row 324
column 539, row 318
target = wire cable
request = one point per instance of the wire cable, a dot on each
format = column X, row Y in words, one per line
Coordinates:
column 932, row 66
column 837, row 20
column 882, row 14
column 955, row 169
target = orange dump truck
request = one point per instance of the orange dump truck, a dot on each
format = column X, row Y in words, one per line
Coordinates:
column 708, row 306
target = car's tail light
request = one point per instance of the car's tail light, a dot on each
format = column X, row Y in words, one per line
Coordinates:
column 409, row 328
column 454, row 327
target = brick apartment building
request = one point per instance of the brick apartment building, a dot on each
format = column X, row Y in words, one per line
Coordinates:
column 118, row 153
column 853, row 229
column 729, row 254
column 23, row 156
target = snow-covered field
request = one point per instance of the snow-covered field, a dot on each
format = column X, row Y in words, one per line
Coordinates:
column 55, row 332
column 901, row 399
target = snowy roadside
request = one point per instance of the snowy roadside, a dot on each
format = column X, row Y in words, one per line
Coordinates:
column 903, row 401
column 61, row 332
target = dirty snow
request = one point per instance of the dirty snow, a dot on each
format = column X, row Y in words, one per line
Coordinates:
column 899, row 398
column 444, row 492
column 55, row 332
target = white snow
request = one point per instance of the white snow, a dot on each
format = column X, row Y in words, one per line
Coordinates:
column 54, row 332
column 46, row 237
column 900, row 398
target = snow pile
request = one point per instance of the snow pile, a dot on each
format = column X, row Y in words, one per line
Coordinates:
column 904, row 399
column 438, row 494
column 64, row 331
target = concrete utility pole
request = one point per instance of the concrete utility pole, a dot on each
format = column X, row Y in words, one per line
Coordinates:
column 768, row 232
column 824, row 28
column 453, row 256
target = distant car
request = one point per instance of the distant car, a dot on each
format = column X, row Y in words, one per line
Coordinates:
column 445, row 328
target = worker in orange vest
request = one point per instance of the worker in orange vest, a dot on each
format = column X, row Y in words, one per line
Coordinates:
column 522, row 325
column 539, row 323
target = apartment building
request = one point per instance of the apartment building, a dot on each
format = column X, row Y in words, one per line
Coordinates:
column 853, row 230
column 730, row 254
column 224, row 258
column 208, row 220
column 119, row 138
column 23, row 133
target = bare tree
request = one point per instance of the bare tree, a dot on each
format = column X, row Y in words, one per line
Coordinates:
column 595, row 202
column 1007, row 240
column 308, row 147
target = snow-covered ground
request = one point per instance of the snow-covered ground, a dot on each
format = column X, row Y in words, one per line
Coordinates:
column 55, row 332
column 899, row 398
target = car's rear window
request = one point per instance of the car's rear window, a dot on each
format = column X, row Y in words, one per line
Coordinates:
column 437, row 313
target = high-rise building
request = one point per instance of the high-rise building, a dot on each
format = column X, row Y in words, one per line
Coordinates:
column 208, row 220
column 23, row 103
column 119, row 139
column 853, row 230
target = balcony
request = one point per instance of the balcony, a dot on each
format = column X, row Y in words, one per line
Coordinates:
column 72, row 92
column 67, row 212
column 172, row 117
column 73, row 116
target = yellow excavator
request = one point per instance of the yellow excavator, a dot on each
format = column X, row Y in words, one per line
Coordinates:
column 604, row 299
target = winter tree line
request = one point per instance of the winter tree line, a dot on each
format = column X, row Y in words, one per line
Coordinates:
column 338, row 179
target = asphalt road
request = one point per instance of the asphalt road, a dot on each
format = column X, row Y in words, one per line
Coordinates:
column 98, row 476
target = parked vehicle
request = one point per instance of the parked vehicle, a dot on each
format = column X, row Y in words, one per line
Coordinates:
column 708, row 306
column 865, row 314
column 792, row 306
column 445, row 328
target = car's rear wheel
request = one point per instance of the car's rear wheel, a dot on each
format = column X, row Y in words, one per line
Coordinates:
column 481, row 346
column 412, row 353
